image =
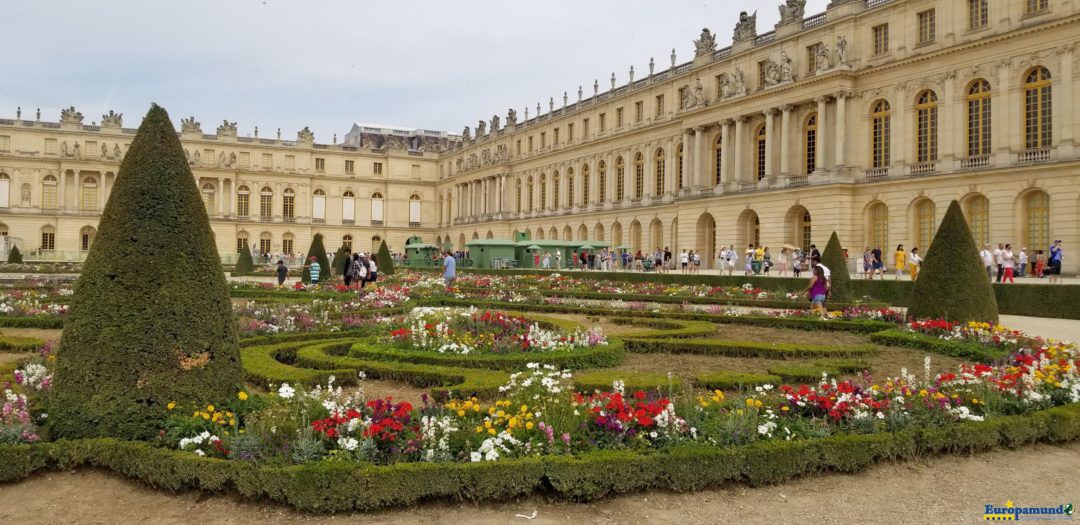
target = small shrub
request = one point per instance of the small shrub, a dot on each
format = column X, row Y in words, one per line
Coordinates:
column 14, row 256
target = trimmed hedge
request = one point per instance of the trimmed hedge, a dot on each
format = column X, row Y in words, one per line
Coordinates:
column 14, row 343
column 602, row 379
column 726, row 380
column 599, row 357
column 688, row 299
column 844, row 366
column 801, row 373
column 384, row 261
column 329, row 487
column 37, row 321
column 14, row 256
column 840, row 281
column 743, row 348
column 244, row 264
column 897, row 337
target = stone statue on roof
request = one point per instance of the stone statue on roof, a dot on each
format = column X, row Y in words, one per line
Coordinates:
column 746, row 27
column 705, row 44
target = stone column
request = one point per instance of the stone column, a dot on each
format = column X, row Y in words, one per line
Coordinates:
column 725, row 150
column 785, row 140
column 902, row 145
column 822, row 127
column 62, row 200
column 947, row 115
column 669, row 166
column 232, row 198
column 740, row 145
column 770, row 139
column 696, row 157
column 220, row 196
column 840, row 133
column 1064, row 95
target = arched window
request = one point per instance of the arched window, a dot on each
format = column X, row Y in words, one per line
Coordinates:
column 5, row 190
column 585, row 182
column 86, row 238
column 880, row 127
column 376, row 242
column 208, row 197
column 879, row 226
column 543, row 191
column 287, row 243
column 718, row 158
column 348, row 205
column 1037, row 109
column 25, row 195
column 978, row 216
column 49, row 193
column 264, row 242
column 414, row 211
column 570, row 187
column 759, row 158
column 266, row 204
column 1037, row 220
column 530, row 187
column 925, row 223
column 89, row 193
column 288, row 205
column 601, row 185
column 3, row 230
column 620, row 180
column 660, row 172
column 555, row 190
column 243, row 201
column 318, row 206
column 639, row 175
column 376, row 209
column 678, row 167
column 978, row 118
column 810, row 139
column 48, row 237
column 242, row 241
column 346, row 241
column 926, row 126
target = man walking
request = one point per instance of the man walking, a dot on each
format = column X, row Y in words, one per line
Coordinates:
column 449, row 269
column 988, row 260
column 998, row 261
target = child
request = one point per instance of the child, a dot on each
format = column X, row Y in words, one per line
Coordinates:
column 282, row 272
column 1040, row 263
column 314, row 268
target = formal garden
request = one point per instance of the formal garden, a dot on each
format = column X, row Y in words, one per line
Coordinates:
column 154, row 366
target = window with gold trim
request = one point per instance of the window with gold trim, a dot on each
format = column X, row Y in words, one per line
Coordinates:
column 266, row 203
column 978, row 216
column 639, row 176
column 678, row 167
column 49, row 199
column 661, row 168
column 243, row 201
column 1037, row 220
column 601, row 182
column 48, row 238
column 926, row 126
column 585, row 183
column 288, row 204
column 89, row 193
column 927, row 21
column 978, row 118
column 880, row 124
column 555, row 190
column 879, row 225
column 925, row 222
column 978, row 14
column 543, row 191
column 1037, row 115
column 760, row 149
column 570, row 187
column 1035, row 6
column 881, row 39
column 810, row 139
column 620, row 179
column 718, row 158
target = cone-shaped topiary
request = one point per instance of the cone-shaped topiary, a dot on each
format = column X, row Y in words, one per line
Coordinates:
column 833, row 259
column 150, row 321
column 339, row 263
column 952, row 283
column 318, row 251
column 14, row 256
column 244, row 264
column 384, row 261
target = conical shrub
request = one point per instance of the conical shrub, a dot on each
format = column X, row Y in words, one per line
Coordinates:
column 384, row 260
column 318, row 251
column 244, row 264
column 952, row 283
column 339, row 263
column 833, row 259
column 150, row 321
column 14, row 256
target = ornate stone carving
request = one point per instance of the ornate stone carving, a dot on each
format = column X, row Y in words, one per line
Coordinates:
column 116, row 152
column 652, row 68
column 104, row 151
column 221, row 159
column 771, row 73
column 112, row 120
column 481, row 129
column 746, row 27
column 64, row 149
column 70, row 116
column 792, row 11
column 494, row 123
column 196, row 158
column 841, row 51
column 486, row 157
column 466, row 134
column 821, row 57
column 305, row 135
column 697, row 98
column 232, row 160
column 786, row 74
column 511, row 117
column 395, row 142
column 738, row 81
column 226, row 129
column 685, row 98
column 75, row 151
column 189, row 125
column 705, row 45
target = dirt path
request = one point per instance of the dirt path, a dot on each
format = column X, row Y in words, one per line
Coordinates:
column 939, row 490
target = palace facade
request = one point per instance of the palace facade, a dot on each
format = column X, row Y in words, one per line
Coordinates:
column 867, row 120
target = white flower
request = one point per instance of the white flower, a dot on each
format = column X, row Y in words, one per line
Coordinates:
column 348, row 443
column 286, row 391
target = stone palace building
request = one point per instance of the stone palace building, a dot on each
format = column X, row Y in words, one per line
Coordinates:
column 867, row 120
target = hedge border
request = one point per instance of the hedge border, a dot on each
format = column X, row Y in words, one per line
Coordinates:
column 632, row 380
column 729, row 380
column 918, row 341
column 332, row 487
column 743, row 348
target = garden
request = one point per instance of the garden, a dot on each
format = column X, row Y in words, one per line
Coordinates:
column 329, row 398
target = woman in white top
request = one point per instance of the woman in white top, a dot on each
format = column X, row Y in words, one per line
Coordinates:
column 781, row 261
column 914, row 262
column 1008, row 264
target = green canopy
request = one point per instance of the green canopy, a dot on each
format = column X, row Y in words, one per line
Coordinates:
column 587, row 247
column 533, row 248
column 623, row 247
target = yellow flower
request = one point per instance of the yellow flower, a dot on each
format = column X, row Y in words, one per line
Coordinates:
column 205, row 415
column 460, row 413
column 170, row 406
column 922, row 393
column 209, row 408
column 750, row 402
column 196, row 414
column 784, row 408
column 242, row 395
column 529, row 425
column 491, row 431
column 757, row 403
column 232, row 422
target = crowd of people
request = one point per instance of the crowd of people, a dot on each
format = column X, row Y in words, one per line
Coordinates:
column 356, row 268
column 1004, row 265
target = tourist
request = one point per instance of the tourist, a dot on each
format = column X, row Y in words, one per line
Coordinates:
column 783, row 261
column 373, row 270
column 573, row 260
column 584, row 259
column 732, row 257
column 449, row 270
column 1054, row 264
column 766, row 260
column 282, row 272
column 867, row 263
column 346, row 267
column 749, row 265
column 899, row 260
column 1040, row 264
column 558, row 259
column 815, row 262
column 695, row 261
column 914, row 263
column 314, row 268
column 817, row 290
column 667, row 259
column 796, row 262
column 1008, row 264
column 536, row 259
column 988, row 260
column 997, row 261
column 359, row 270
column 879, row 263
column 684, row 260
column 1022, row 260
column 814, row 251
column 547, row 260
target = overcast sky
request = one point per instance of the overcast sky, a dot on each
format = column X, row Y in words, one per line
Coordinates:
column 327, row 64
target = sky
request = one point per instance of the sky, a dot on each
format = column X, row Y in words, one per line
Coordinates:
column 329, row 63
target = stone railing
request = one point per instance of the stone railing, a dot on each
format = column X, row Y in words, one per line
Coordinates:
column 1033, row 155
column 875, row 3
column 747, row 185
column 814, row 21
column 876, row 174
column 923, row 168
column 798, row 180
column 974, row 162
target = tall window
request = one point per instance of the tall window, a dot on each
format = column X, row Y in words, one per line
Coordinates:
column 978, row 216
column 718, row 158
column 1034, row 6
column 318, row 206
column 639, row 176
column 585, row 182
column 1037, row 219
column 601, row 190
column 288, row 205
column 678, row 167
column 530, row 186
column 543, row 191
column 287, row 243
column 86, row 238
column 241, row 242
column 661, row 169
column 659, row 106
column 759, row 158
column 925, row 222
column 1037, row 109
column 376, row 209
column 517, row 195
column 570, row 200
column 879, row 226
column 48, row 238
column 926, row 127
column 978, row 14
column 346, row 241
column 620, row 179
column 978, row 118
column 89, row 193
column 807, row 231
column 881, row 39
column 243, row 201
column 208, row 197
column 48, row 193
column 927, row 26
column 880, row 129
column 264, row 242
column 414, row 210
column 266, row 203
column 810, row 139
column 555, row 183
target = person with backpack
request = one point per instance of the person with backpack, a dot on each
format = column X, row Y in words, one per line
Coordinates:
column 282, row 272
column 373, row 271
column 359, row 269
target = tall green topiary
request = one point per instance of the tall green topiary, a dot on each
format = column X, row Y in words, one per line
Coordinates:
column 952, row 284
column 833, row 259
column 318, row 251
column 244, row 264
column 384, row 260
column 340, row 262
column 14, row 256
column 150, row 321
